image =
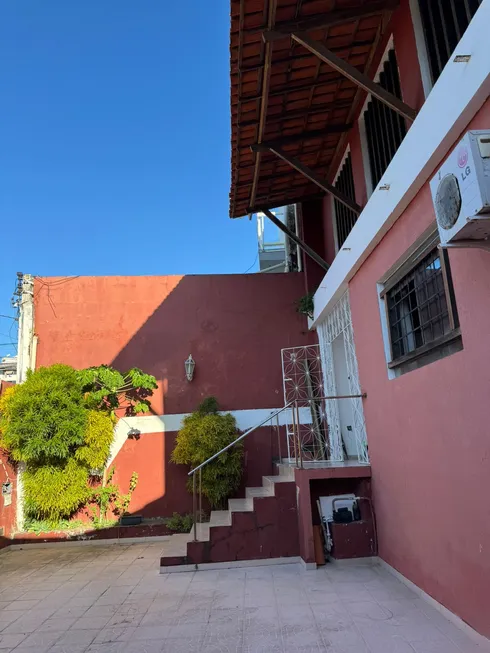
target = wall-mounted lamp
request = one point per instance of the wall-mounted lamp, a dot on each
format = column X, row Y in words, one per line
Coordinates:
column 190, row 364
column 134, row 434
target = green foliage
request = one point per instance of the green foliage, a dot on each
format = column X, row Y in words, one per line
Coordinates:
column 122, row 501
column 39, row 526
column 55, row 491
column 44, row 420
column 60, row 423
column 108, row 497
column 203, row 434
column 208, row 406
column 179, row 523
column 99, row 435
column 107, row 389
column 306, row 306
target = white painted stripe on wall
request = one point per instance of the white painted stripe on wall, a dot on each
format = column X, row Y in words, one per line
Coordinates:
column 245, row 419
column 456, row 97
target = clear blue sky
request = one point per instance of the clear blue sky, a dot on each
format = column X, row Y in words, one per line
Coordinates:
column 114, row 141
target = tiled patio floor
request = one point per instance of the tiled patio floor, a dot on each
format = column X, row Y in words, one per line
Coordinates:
column 107, row 599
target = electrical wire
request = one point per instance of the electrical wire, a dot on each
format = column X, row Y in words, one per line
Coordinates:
column 255, row 261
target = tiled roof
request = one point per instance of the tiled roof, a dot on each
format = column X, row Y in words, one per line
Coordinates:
column 279, row 89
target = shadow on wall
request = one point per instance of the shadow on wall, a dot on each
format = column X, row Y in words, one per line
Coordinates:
column 234, row 326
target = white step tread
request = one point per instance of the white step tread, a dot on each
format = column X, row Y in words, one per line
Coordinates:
column 241, row 505
column 268, row 480
column 259, row 491
column 220, row 518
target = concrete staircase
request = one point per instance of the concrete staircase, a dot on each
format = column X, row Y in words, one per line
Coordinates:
column 262, row 525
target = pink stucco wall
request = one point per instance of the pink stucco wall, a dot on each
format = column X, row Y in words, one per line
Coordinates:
column 429, row 431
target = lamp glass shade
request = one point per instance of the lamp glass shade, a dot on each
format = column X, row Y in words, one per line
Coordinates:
column 190, row 364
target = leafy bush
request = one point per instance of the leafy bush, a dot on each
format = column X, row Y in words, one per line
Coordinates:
column 306, row 305
column 179, row 523
column 39, row 526
column 60, row 423
column 107, row 389
column 44, row 420
column 99, row 435
column 53, row 492
column 204, row 433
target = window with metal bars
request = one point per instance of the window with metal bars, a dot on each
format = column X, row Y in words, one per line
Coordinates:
column 444, row 22
column 345, row 219
column 420, row 307
column 385, row 128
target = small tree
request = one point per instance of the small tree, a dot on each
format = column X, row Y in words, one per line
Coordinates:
column 204, row 433
column 60, row 423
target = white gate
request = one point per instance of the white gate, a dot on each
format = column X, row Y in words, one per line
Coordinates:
column 338, row 324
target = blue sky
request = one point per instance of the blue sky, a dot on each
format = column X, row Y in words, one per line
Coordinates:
column 114, row 142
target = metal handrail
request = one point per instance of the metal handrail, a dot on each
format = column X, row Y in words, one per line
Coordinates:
column 274, row 414
column 192, row 473
column 242, row 436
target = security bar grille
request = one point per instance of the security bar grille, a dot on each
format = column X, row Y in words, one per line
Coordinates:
column 385, row 129
column 445, row 22
column 345, row 219
column 418, row 311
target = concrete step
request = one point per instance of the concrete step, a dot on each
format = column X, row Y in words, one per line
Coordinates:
column 285, row 470
column 220, row 518
column 241, row 505
column 270, row 481
column 259, row 491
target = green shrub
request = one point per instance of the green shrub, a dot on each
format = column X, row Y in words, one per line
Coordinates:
column 60, row 423
column 99, row 435
column 53, row 492
column 179, row 523
column 203, row 434
column 306, row 305
column 39, row 526
column 44, row 420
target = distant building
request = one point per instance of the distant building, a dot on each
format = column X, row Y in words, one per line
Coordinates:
column 8, row 369
column 277, row 252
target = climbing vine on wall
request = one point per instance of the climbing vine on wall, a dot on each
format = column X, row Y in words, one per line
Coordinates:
column 60, row 423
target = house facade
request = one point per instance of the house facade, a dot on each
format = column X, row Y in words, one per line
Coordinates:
column 350, row 113
column 344, row 112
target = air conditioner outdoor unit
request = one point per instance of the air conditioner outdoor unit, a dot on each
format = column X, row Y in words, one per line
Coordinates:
column 461, row 191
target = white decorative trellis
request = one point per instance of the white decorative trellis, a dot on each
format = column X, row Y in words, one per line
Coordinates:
column 303, row 385
column 337, row 322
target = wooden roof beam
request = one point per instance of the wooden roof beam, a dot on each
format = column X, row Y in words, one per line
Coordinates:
column 294, row 138
column 328, row 19
column 266, row 80
column 312, row 176
column 362, row 80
